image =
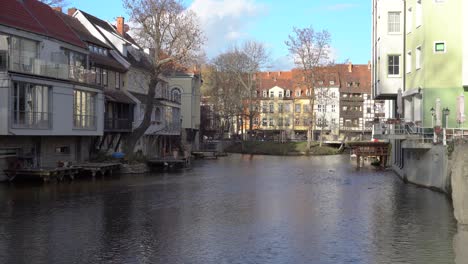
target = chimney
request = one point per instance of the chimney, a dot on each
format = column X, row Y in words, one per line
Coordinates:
column 57, row 8
column 350, row 67
column 369, row 66
column 71, row 11
column 121, row 25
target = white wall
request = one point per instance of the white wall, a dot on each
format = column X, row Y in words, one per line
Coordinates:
column 384, row 44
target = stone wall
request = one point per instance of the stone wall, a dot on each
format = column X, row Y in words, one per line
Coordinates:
column 459, row 173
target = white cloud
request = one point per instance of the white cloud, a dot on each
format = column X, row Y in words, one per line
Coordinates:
column 284, row 63
column 223, row 21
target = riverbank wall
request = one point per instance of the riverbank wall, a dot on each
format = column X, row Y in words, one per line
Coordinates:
column 438, row 167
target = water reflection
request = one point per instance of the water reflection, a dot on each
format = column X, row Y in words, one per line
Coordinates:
column 241, row 209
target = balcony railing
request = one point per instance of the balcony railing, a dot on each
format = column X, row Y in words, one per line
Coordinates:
column 55, row 70
column 84, row 122
column 118, row 124
column 34, row 120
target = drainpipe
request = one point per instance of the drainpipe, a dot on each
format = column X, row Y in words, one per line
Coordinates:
column 404, row 55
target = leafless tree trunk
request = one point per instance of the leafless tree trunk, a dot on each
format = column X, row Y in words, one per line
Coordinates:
column 310, row 50
column 172, row 34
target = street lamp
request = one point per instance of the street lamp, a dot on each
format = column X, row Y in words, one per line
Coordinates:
column 434, row 136
column 445, row 112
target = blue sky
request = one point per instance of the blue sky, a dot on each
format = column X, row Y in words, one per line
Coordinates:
column 227, row 22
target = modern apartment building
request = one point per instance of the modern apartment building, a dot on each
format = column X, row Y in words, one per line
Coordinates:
column 51, row 106
column 433, row 68
column 165, row 129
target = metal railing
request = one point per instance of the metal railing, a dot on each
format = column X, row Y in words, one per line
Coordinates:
column 118, row 124
column 55, row 70
column 84, row 122
column 26, row 119
column 411, row 131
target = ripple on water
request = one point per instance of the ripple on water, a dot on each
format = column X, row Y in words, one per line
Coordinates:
column 260, row 209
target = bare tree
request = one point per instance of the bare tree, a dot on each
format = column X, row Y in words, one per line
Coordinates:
column 235, row 84
column 59, row 3
column 326, row 97
column 172, row 34
column 310, row 50
column 247, row 60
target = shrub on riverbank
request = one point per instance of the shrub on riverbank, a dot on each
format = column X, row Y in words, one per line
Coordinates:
column 277, row 148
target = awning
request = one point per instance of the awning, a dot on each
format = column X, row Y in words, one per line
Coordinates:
column 412, row 92
column 117, row 96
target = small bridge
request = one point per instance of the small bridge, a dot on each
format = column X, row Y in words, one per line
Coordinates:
column 366, row 149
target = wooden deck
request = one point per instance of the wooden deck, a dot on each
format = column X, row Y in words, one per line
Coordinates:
column 46, row 174
column 101, row 168
column 371, row 149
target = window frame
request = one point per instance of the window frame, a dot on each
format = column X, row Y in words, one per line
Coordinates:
column 440, row 42
column 394, row 65
column 394, row 23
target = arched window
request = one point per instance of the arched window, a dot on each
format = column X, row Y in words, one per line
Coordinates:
column 175, row 95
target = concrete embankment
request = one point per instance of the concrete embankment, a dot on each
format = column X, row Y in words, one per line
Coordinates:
column 443, row 168
column 459, row 177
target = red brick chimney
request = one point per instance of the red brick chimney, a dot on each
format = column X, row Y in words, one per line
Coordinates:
column 350, row 67
column 121, row 25
column 57, row 8
column 71, row 11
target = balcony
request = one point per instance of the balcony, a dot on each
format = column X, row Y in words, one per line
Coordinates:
column 31, row 120
column 118, row 124
column 85, row 122
column 55, row 70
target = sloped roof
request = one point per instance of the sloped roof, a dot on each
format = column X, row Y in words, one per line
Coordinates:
column 117, row 96
column 39, row 18
column 97, row 21
column 81, row 30
column 340, row 74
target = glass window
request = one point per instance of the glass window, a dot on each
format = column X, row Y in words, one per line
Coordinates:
column 272, row 94
column 439, row 47
column 393, row 22
column 104, row 77
column 298, row 108
column 272, row 108
column 84, row 114
column 280, row 94
column 280, row 108
column 30, row 106
column 394, row 65
column 117, row 80
column 23, row 54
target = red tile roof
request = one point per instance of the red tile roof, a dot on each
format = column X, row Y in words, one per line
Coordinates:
column 340, row 74
column 36, row 17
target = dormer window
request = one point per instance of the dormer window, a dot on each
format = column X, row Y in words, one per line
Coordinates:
column 320, row 82
column 98, row 50
column 298, row 92
column 264, row 93
column 332, row 82
column 288, row 93
column 272, row 94
column 280, row 94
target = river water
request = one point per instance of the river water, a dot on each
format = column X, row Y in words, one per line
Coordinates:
column 239, row 209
